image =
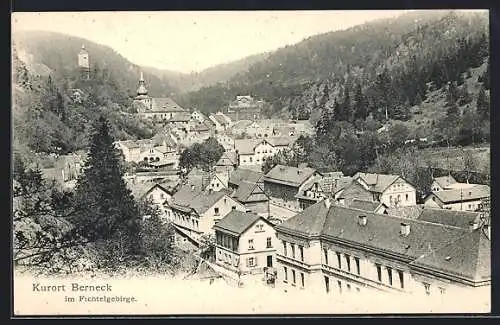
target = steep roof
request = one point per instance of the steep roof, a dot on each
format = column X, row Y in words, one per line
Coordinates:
column 309, row 222
column 237, row 222
column 459, row 195
column 445, row 181
column 410, row 212
column 241, row 174
column 287, row 175
column 377, row 182
column 227, row 159
column 249, row 192
column 461, row 219
column 188, row 198
column 245, row 146
column 355, row 191
column 140, row 189
column 165, row 105
column 281, row 141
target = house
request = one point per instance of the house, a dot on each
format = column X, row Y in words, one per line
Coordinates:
column 239, row 127
column 157, row 193
column 226, row 141
column 216, row 181
column 245, row 243
column 351, row 191
column 282, row 183
column 334, row 250
column 392, row 190
column 321, row 187
column 254, row 152
column 194, row 211
column 245, row 107
column 284, row 131
column 464, row 199
column 226, row 163
column 248, row 188
column 254, row 130
column 198, row 116
column 442, row 183
column 221, row 122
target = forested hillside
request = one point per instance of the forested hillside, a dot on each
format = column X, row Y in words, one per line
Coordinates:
column 52, row 113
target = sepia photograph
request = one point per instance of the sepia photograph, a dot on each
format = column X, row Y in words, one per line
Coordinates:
column 250, row 162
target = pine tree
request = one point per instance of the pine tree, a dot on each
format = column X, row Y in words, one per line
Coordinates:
column 105, row 208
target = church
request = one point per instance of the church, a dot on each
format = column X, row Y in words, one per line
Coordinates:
column 158, row 109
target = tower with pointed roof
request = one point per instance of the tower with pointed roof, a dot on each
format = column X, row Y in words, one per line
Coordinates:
column 84, row 63
column 142, row 100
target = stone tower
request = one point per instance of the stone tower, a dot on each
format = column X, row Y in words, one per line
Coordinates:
column 142, row 95
column 83, row 63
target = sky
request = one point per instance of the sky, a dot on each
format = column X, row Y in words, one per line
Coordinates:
column 192, row 41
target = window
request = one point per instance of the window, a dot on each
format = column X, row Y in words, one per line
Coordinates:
column 293, row 250
column 301, row 250
column 427, row 288
column 269, row 243
column 217, row 185
column 327, row 284
column 325, row 253
column 285, row 272
column 216, row 210
column 389, row 275
column 401, row 279
column 233, row 207
column 390, row 198
column 284, row 248
column 339, row 284
column 348, row 287
column 293, row 276
column 250, row 159
column 225, row 200
column 339, row 260
column 250, row 244
column 442, row 290
column 379, row 272
column 302, row 280
column 406, row 197
column 348, row 261
column 356, row 260
column 259, row 228
column 358, row 290
column 251, row 262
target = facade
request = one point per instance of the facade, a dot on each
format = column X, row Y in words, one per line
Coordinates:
column 221, row 122
column 321, row 187
column 254, row 152
column 282, row 183
column 157, row 193
column 332, row 249
column 226, row 141
column 227, row 163
column 245, row 243
column 464, row 199
column 245, row 108
column 196, row 211
column 163, row 110
column 198, row 116
column 392, row 190
column 160, row 150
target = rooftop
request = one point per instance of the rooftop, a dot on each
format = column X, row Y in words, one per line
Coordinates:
column 241, row 174
column 377, row 182
column 365, row 205
column 165, row 105
column 461, row 219
column 287, row 175
column 236, row 222
column 476, row 192
column 445, row 181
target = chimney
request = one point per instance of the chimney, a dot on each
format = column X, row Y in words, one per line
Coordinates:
column 362, row 220
column 473, row 225
column 328, row 203
column 405, row 229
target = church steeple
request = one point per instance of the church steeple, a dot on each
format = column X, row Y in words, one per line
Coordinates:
column 142, row 88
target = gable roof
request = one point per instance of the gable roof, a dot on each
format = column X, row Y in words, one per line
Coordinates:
column 246, row 146
column 354, row 190
column 461, row 219
column 410, row 212
column 241, row 174
column 139, row 190
column 227, row 159
column 309, row 222
column 249, row 192
column 377, row 182
column 281, row 141
column 236, row 222
column 165, row 105
column 188, row 198
column 287, row 175
column 476, row 192
column 445, row 181
column 220, row 119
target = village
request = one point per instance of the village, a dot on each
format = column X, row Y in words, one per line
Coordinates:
column 295, row 228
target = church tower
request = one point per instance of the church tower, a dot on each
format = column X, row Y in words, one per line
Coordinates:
column 83, row 63
column 142, row 95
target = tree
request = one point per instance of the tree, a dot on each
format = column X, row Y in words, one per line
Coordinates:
column 398, row 133
column 105, row 210
column 203, row 155
column 483, row 105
